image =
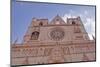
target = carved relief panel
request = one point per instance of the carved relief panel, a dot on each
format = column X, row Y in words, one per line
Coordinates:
column 56, row 34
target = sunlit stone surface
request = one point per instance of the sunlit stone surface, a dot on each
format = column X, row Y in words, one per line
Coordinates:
column 51, row 42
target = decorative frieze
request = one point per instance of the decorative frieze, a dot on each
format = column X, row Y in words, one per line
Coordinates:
column 48, row 50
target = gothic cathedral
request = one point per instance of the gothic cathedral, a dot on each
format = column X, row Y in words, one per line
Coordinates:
column 57, row 41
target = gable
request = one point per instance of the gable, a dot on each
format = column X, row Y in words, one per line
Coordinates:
column 57, row 20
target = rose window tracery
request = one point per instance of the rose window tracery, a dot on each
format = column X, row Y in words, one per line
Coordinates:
column 57, row 34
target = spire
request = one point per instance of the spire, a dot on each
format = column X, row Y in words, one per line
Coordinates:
column 58, row 15
column 16, row 41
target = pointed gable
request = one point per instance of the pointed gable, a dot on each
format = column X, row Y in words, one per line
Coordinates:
column 57, row 20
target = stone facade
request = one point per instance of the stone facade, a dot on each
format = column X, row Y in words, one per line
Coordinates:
column 54, row 42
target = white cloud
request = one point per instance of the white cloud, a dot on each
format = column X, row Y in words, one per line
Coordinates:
column 85, row 12
column 90, row 36
column 89, row 23
column 90, row 26
column 68, row 16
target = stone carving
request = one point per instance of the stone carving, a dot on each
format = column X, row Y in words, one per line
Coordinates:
column 85, row 58
column 59, row 49
column 57, row 34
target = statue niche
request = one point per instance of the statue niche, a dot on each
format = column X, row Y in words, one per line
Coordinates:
column 35, row 35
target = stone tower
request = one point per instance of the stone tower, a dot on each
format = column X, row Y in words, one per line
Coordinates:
column 56, row 41
column 42, row 31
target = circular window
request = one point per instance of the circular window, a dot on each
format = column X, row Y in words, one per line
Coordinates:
column 57, row 34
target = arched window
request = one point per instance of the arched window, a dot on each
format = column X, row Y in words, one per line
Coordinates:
column 73, row 22
column 35, row 35
column 40, row 24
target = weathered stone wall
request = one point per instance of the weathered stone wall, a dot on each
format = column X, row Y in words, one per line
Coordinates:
column 53, row 53
column 54, row 42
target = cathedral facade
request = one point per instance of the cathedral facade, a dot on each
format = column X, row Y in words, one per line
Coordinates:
column 57, row 41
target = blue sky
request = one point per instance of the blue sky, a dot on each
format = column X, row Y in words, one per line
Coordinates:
column 23, row 12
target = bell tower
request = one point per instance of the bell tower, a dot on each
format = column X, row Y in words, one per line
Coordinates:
column 79, row 30
column 33, row 32
column 57, row 30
